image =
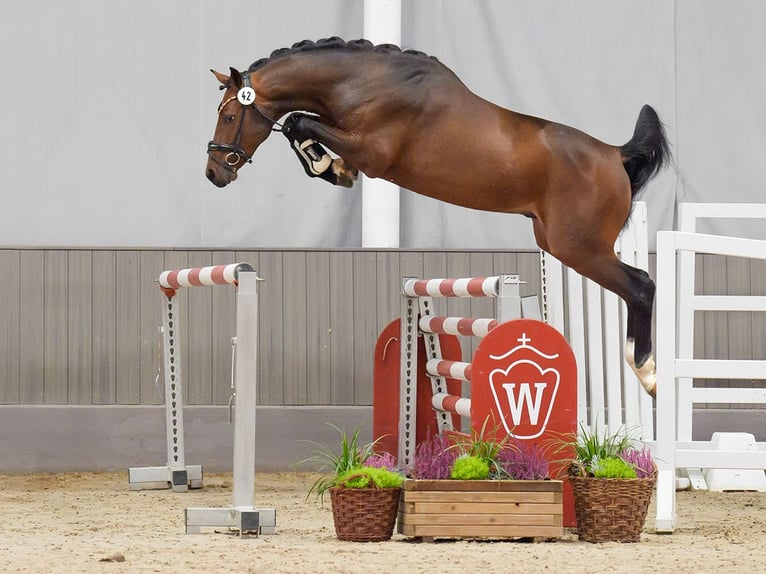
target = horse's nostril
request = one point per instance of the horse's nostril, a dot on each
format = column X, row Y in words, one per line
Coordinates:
column 210, row 174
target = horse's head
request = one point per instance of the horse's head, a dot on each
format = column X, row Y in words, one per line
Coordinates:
column 240, row 129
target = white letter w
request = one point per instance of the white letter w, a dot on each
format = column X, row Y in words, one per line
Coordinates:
column 525, row 398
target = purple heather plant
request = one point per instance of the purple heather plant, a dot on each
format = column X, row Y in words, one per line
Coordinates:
column 381, row 460
column 433, row 459
column 523, row 460
column 640, row 460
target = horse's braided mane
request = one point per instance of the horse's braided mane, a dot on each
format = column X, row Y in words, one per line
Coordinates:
column 334, row 43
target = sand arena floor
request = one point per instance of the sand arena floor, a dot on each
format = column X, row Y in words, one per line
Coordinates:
column 92, row 522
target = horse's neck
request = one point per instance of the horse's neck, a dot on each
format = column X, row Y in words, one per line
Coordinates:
column 300, row 82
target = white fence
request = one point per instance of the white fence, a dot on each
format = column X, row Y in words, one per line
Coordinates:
column 676, row 366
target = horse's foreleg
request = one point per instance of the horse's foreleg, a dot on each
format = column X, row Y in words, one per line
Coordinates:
column 313, row 157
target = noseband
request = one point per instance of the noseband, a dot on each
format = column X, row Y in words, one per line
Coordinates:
column 234, row 152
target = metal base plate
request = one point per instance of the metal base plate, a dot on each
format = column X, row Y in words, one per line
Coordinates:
column 245, row 520
column 180, row 479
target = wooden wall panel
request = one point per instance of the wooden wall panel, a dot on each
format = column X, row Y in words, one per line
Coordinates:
column 150, row 321
column 104, row 291
column 10, row 326
column 271, row 329
column 55, row 320
column 342, row 373
column 128, row 328
column 389, row 286
column 294, row 320
column 365, row 323
column 31, row 327
column 318, row 328
column 81, row 326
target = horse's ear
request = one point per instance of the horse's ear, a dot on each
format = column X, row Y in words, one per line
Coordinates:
column 236, row 78
column 221, row 78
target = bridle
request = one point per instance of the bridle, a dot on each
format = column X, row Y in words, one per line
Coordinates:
column 235, row 154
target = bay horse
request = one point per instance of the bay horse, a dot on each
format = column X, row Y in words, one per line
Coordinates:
column 405, row 117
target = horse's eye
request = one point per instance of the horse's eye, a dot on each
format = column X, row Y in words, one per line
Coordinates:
column 228, row 118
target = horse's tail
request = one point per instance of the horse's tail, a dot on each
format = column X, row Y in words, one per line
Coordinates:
column 648, row 150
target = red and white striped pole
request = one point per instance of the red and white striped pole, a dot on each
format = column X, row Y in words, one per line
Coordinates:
column 170, row 281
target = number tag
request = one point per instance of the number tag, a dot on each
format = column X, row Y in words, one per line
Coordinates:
column 246, row 96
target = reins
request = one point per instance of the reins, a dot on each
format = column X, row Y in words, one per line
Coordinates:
column 234, row 152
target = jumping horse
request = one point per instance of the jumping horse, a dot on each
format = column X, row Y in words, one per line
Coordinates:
column 405, row 117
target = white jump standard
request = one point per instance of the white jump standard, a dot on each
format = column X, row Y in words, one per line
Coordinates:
column 242, row 515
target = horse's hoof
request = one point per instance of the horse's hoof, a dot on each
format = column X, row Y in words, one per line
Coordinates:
column 346, row 174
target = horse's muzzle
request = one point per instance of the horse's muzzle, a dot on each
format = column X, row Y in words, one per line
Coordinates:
column 219, row 177
column 211, row 175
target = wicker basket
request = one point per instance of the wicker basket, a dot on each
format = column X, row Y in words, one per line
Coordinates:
column 611, row 509
column 364, row 514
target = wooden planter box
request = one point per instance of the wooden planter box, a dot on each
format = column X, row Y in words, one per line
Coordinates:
column 481, row 509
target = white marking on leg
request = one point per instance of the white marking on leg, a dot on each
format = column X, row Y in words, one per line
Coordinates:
column 343, row 170
column 646, row 373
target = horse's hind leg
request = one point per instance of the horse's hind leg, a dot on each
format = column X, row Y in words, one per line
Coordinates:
column 630, row 284
column 314, row 158
column 638, row 348
column 634, row 287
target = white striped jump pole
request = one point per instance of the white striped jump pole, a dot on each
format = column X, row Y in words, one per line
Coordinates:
column 456, row 325
column 452, row 404
column 170, row 281
column 451, row 369
column 463, row 287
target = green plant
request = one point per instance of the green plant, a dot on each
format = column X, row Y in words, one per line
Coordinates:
column 369, row 477
column 603, row 455
column 347, row 461
column 469, row 467
column 485, row 445
column 612, row 467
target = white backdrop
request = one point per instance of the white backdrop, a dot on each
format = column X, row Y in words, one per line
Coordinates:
column 107, row 108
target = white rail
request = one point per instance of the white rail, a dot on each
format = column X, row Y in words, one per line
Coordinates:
column 676, row 367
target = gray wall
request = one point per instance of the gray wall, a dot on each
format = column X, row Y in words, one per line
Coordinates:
column 79, row 348
column 80, row 327
column 107, row 108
